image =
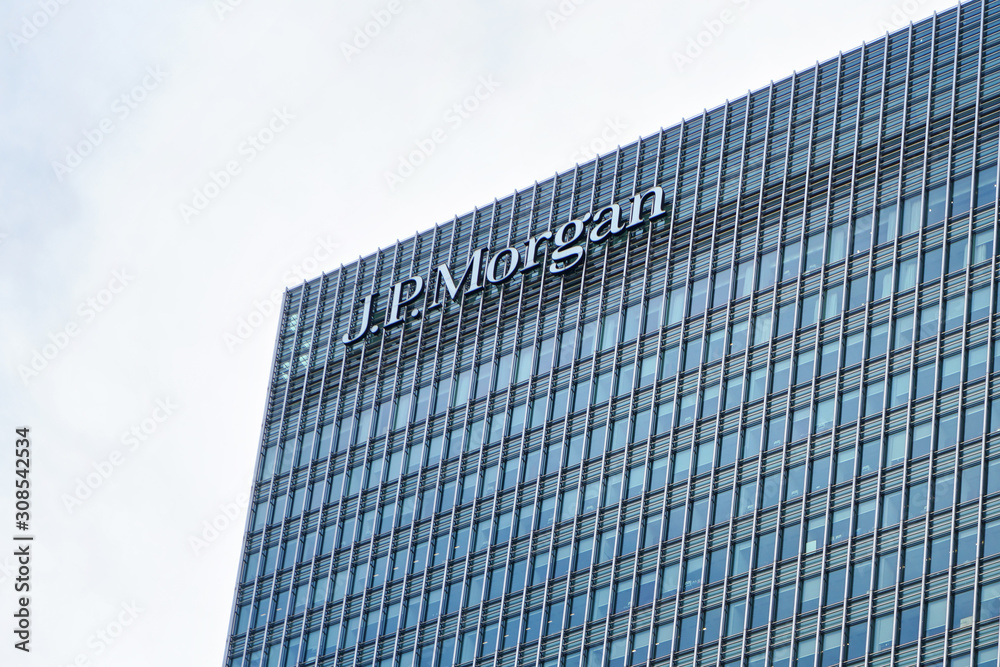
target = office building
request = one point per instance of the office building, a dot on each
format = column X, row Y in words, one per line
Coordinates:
column 729, row 395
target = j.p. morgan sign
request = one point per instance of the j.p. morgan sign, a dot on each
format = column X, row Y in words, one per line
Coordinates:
column 561, row 250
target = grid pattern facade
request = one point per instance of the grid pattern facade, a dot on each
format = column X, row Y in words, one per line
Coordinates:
column 764, row 430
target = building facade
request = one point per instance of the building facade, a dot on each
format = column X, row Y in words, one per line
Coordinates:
column 729, row 395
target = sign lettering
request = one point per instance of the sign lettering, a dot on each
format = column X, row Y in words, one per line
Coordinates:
column 565, row 248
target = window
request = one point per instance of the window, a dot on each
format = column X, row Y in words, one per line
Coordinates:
column 675, row 305
column 601, row 599
column 986, row 186
column 630, row 328
column 845, row 465
column 954, row 312
column 951, row 371
column 768, row 266
column 646, row 589
column 909, row 624
column 936, row 611
column 916, row 502
column 735, row 617
column 588, row 336
column 929, row 322
column 989, row 601
column 841, row 525
column 693, row 567
column 891, row 508
column 958, row 254
column 906, row 277
column 699, row 296
column 756, row 384
column 668, row 362
column 664, row 639
column 886, row 224
column 786, row 320
column 962, row 614
column 647, row 371
column 878, row 340
column 721, row 289
column 837, row 249
column 741, row 558
column 810, row 593
column 790, row 260
column 979, row 304
column 734, row 392
column 668, row 580
column 815, row 534
column 765, row 549
column 760, row 609
column 982, row 249
column 810, row 310
column 762, row 328
column 829, row 356
column 833, row 301
column 785, row 602
column 640, row 648
column 865, row 522
column 849, row 402
column 609, row 333
column 882, row 283
column 791, row 539
column 924, row 385
column 931, row 266
column 814, row 251
column 861, row 574
column 857, row 292
column 874, row 395
column 738, row 336
column 903, row 331
column 623, row 595
column 911, row 214
column 744, row 278
column 899, row 393
column 836, row 581
column 883, row 634
column 937, row 199
column 804, row 363
column 947, row 432
column 961, row 195
column 862, row 233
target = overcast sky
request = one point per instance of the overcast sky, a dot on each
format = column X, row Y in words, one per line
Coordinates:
column 167, row 168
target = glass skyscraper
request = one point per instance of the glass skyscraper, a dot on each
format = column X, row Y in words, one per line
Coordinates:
column 729, row 395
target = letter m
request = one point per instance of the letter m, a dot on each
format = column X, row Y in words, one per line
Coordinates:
column 472, row 275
